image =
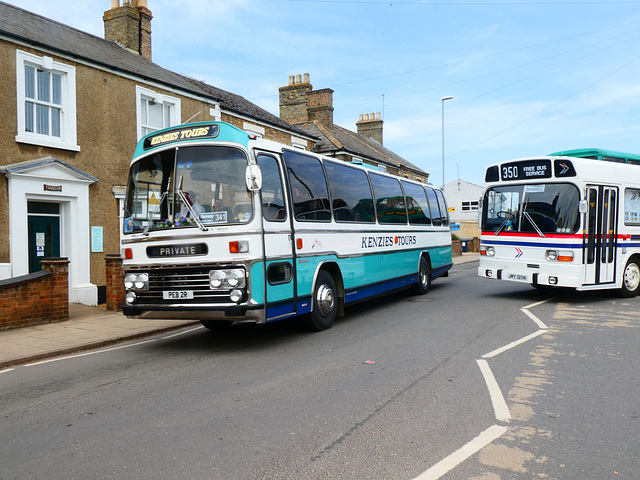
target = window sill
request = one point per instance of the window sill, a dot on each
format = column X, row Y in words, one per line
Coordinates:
column 46, row 142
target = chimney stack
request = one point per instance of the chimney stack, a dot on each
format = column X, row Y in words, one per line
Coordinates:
column 293, row 99
column 129, row 25
column 370, row 125
column 299, row 103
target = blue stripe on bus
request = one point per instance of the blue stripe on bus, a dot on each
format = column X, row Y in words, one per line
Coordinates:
column 361, row 293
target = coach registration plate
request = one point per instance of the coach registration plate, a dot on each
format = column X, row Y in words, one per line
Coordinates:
column 177, row 294
column 520, row 277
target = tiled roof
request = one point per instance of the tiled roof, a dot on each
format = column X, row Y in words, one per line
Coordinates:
column 45, row 33
column 339, row 139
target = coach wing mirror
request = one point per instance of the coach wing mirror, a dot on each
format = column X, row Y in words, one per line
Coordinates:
column 253, row 178
column 583, row 206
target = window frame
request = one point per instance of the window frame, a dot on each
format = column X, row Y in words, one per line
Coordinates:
column 173, row 103
column 68, row 124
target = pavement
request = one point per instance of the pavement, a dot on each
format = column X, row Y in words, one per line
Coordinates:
column 91, row 327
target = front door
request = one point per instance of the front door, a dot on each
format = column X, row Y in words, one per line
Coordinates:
column 44, row 232
column 601, row 231
column 280, row 272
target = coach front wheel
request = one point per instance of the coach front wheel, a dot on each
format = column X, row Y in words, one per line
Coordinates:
column 325, row 303
column 631, row 279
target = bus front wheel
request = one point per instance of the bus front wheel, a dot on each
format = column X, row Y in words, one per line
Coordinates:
column 631, row 279
column 424, row 277
column 325, row 303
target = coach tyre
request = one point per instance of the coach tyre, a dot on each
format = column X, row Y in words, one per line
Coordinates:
column 424, row 277
column 631, row 279
column 325, row 302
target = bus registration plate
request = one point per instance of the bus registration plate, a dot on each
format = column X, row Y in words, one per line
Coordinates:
column 519, row 277
column 177, row 294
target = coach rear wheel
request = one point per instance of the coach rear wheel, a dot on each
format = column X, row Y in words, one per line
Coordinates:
column 424, row 277
column 325, row 303
column 631, row 279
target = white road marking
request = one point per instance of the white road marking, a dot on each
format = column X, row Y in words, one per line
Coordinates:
column 86, row 354
column 456, row 458
column 497, row 399
column 7, row 370
column 539, row 303
column 182, row 332
column 511, row 345
column 538, row 322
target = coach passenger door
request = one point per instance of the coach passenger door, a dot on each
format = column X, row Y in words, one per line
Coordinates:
column 279, row 271
column 600, row 237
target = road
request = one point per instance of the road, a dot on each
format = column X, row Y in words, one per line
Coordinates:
column 401, row 388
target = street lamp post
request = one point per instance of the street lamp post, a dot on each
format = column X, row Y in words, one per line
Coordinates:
column 443, row 100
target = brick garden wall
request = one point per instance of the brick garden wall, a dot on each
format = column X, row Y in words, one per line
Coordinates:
column 39, row 297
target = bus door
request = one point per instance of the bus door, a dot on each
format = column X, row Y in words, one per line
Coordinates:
column 600, row 236
column 279, row 261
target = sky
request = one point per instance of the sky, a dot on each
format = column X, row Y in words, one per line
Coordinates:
column 527, row 78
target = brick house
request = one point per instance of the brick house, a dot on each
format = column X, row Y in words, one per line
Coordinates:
column 75, row 105
column 312, row 111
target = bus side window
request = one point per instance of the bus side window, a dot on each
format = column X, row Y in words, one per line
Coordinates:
column 433, row 207
column 417, row 205
column 351, row 193
column 273, row 209
column 390, row 205
column 308, row 187
column 444, row 211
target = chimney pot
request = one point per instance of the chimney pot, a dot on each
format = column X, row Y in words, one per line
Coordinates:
column 292, row 80
column 305, row 78
column 360, row 118
column 298, row 78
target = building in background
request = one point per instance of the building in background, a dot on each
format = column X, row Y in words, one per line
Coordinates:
column 312, row 111
column 463, row 200
column 74, row 108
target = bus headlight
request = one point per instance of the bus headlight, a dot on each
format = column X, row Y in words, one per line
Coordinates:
column 142, row 282
column 130, row 298
column 236, row 295
column 551, row 255
column 136, row 281
column 216, row 278
column 226, row 279
column 491, row 252
column 235, row 277
column 129, row 280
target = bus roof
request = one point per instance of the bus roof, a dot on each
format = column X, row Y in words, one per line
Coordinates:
column 600, row 154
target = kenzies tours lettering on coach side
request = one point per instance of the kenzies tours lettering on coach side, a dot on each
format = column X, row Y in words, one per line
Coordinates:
column 387, row 241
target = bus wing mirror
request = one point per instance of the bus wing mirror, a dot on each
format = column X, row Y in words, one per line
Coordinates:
column 253, row 178
column 583, row 207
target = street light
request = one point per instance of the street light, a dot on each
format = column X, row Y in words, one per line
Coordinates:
column 443, row 100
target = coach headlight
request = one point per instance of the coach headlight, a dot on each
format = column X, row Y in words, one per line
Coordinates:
column 136, row 281
column 235, row 278
column 129, row 280
column 130, row 298
column 551, row 255
column 216, row 278
column 142, row 281
column 236, row 295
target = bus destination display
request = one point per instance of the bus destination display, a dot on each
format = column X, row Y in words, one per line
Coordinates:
column 526, row 170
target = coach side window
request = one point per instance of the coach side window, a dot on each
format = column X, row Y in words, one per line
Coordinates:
column 390, row 206
column 308, row 187
column 351, row 194
column 417, row 205
column 433, row 207
column 272, row 198
column 444, row 211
